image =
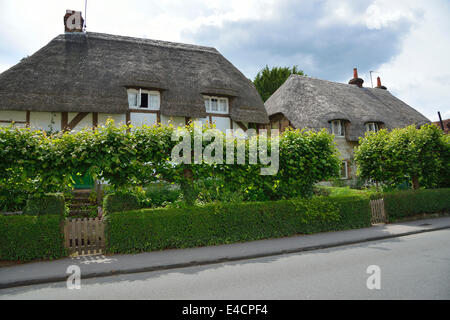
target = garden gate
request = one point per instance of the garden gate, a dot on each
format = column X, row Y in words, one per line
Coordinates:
column 378, row 212
column 84, row 236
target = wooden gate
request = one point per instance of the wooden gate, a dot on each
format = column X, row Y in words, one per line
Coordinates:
column 84, row 236
column 378, row 212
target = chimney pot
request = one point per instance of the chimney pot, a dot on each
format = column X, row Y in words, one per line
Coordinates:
column 356, row 80
column 379, row 86
column 73, row 21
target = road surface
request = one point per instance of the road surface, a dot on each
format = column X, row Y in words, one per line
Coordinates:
column 411, row 267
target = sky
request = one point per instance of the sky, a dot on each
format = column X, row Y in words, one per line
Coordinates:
column 405, row 42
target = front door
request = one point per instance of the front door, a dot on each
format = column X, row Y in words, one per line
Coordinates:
column 84, row 182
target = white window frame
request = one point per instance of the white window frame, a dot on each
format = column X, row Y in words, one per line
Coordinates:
column 345, row 163
column 207, row 100
column 341, row 128
column 375, row 127
column 139, row 92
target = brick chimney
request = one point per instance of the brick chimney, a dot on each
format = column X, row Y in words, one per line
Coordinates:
column 356, row 81
column 73, row 21
column 379, row 86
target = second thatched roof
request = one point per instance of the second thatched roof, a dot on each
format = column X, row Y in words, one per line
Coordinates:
column 313, row 103
column 89, row 72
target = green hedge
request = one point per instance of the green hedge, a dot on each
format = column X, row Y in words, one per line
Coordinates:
column 403, row 204
column 49, row 204
column 25, row 238
column 158, row 229
column 119, row 202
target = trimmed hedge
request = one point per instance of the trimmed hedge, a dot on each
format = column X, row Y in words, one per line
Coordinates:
column 49, row 204
column 119, row 202
column 158, row 229
column 26, row 238
column 402, row 204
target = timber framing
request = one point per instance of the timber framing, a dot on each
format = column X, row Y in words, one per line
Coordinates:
column 75, row 121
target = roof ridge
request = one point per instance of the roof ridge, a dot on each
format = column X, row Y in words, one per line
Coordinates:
column 333, row 82
column 152, row 42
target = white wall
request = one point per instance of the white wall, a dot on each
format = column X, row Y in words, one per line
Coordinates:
column 13, row 115
column 85, row 123
column 139, row 119
column 119, row 119
column 45, row 121
column 222, row 123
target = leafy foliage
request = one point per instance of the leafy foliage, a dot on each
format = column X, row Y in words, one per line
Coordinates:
column 160, row 194
column 421, row 156
column 26, row 238
column 118, row 202
column 268, row 81
column 214, row 224
column 48, row 204
column 140, row 156
column 15, row 189
column 409, row 203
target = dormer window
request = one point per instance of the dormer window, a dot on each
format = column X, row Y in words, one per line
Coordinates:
column 216, row 105
column 372, row 126
column 337, row 128
column 144, row 99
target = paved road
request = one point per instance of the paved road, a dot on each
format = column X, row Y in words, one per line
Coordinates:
column 412, row 267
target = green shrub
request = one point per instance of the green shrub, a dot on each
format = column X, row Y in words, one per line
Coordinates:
column 128, row 158
column 409, row 203
column 158, row 195
column 49, row 204
column 419, row 157
column 118, row 202
column 14, row 190
column 25, row 238
column 214, row 224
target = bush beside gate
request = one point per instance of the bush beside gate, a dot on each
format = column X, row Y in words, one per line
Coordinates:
column 405, row 204
column 26, row 238
column 158, row 229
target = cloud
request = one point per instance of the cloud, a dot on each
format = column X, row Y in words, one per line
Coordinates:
column 405, row 40
column 420, row 72
column 324, row 38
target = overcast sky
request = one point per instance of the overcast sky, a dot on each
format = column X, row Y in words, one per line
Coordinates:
column 405, row 41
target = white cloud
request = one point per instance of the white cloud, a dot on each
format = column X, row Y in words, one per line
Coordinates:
column 420, row 73
column 386, row 13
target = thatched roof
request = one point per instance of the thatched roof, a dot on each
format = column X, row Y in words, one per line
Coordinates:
column 312, row 103
column 90, row 73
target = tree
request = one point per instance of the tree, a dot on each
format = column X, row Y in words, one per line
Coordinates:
column 267, row 81
column 418, row 155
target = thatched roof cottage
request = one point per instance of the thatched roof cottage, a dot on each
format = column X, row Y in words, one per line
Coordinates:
column 81, row 79
column 347, row 110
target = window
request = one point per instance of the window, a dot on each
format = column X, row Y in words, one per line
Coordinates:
column 344, row 170
column 337, row 128
column 143, row 99
column 372, row 126
column 216, row 105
